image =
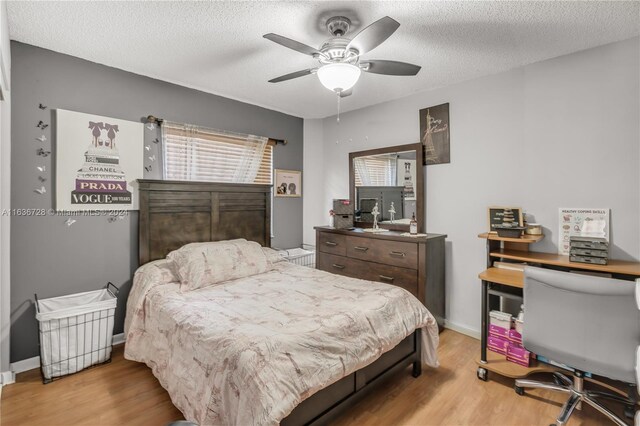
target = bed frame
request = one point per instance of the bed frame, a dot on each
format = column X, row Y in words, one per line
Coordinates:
column 175, row 213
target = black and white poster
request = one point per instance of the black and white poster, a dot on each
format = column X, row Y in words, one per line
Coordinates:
column 434, row 134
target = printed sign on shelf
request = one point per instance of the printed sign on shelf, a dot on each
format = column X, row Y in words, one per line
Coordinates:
column 581, row 223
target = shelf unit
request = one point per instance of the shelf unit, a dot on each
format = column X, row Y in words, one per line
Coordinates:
column 498, row 364
column 525, row 239
column 505, row 283
column 509, row 283
column 503, row 276
column 613, row 267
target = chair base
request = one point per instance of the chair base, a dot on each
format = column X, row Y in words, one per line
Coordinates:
column 577, row 395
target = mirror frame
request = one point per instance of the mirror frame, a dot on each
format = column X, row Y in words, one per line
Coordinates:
column 420, row 195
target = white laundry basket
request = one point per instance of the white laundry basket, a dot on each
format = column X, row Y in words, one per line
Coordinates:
column 76, row 331
column 303, row 256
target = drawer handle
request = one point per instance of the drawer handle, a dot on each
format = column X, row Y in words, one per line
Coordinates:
column 361, row 248
column 331, row 243
column 335, row 265
column 397, row 254
column 386, row 278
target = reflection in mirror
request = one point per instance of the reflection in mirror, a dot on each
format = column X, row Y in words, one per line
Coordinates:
column 388, row 180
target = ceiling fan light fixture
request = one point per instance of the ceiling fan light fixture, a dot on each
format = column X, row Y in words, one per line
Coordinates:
column 338, row 77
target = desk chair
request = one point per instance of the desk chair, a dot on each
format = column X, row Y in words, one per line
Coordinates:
column 588, row 323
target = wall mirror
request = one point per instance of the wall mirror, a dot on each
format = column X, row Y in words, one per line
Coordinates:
column 393, row 179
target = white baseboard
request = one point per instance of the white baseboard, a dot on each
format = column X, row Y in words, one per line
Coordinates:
column 25, row 365
column 32, row 363
column 118, row 339
column 7, row 378
column 462, row 329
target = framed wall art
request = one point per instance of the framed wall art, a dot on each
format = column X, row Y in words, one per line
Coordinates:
column 497, row 217
column 434, row 134
column 288, row 183
column 98, row 162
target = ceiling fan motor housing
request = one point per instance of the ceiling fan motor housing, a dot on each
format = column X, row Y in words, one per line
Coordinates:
column 334, row 50
column 338, row 26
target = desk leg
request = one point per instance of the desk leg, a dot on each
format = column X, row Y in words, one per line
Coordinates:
column 483, row 322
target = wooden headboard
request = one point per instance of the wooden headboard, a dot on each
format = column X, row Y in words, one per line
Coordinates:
column 175, row 213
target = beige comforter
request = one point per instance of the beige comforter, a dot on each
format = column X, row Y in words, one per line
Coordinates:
column 248, row 351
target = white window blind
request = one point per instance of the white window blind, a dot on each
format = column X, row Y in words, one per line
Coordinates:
column 202, row 154
column 376, row 170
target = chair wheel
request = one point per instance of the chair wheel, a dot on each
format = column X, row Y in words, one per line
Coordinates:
column 519, row 390
column 482, row 374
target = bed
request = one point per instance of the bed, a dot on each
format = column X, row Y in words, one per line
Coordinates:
column 288, row 345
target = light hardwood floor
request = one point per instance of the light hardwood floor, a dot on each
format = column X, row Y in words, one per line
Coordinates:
column 126, row 393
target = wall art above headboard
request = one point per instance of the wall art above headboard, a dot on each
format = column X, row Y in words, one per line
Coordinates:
column 98, row 160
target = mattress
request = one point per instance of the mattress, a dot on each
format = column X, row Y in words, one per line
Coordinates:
column 248, row 351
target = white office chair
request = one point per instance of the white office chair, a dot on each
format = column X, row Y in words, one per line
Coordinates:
column 591, row 324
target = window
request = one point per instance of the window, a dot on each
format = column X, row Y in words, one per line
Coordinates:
column 202, row 154
column 375, row 170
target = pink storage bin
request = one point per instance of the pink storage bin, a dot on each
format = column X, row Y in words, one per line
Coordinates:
column 497, row 344
column 519, row 355
column 514, row 337
column 496, row 330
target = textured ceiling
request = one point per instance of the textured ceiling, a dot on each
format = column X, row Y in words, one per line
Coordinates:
column 218, row 47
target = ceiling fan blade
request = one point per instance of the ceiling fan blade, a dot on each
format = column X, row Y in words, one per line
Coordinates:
column 345, row 93
column 292, row 75
column 292, row 44
column 376, row 66
column 373, row 35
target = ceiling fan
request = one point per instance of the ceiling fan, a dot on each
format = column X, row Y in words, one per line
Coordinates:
column 339, row 58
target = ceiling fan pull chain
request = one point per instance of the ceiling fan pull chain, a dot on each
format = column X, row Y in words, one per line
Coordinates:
column 338, row 118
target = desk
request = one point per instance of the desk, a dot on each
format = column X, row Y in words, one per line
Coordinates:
column 509, row 284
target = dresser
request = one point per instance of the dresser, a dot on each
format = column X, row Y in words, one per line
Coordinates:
column 413, row 263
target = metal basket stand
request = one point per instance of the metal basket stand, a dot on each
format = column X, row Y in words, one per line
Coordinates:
column 69, row 326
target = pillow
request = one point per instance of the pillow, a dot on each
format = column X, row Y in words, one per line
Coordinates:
column 200, row 265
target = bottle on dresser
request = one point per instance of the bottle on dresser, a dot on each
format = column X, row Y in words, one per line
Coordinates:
column 413, row 225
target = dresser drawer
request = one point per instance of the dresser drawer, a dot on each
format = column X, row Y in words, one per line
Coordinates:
column 396, row 253
column 332, row 243
column 340, row 265
column 354, row 268
column 401, row 277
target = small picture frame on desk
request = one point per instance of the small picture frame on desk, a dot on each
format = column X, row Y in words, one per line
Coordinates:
column 496, row 216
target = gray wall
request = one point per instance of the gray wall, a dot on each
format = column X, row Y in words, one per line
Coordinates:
column 51, row 259
column 316, row 211
column 558, row 133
